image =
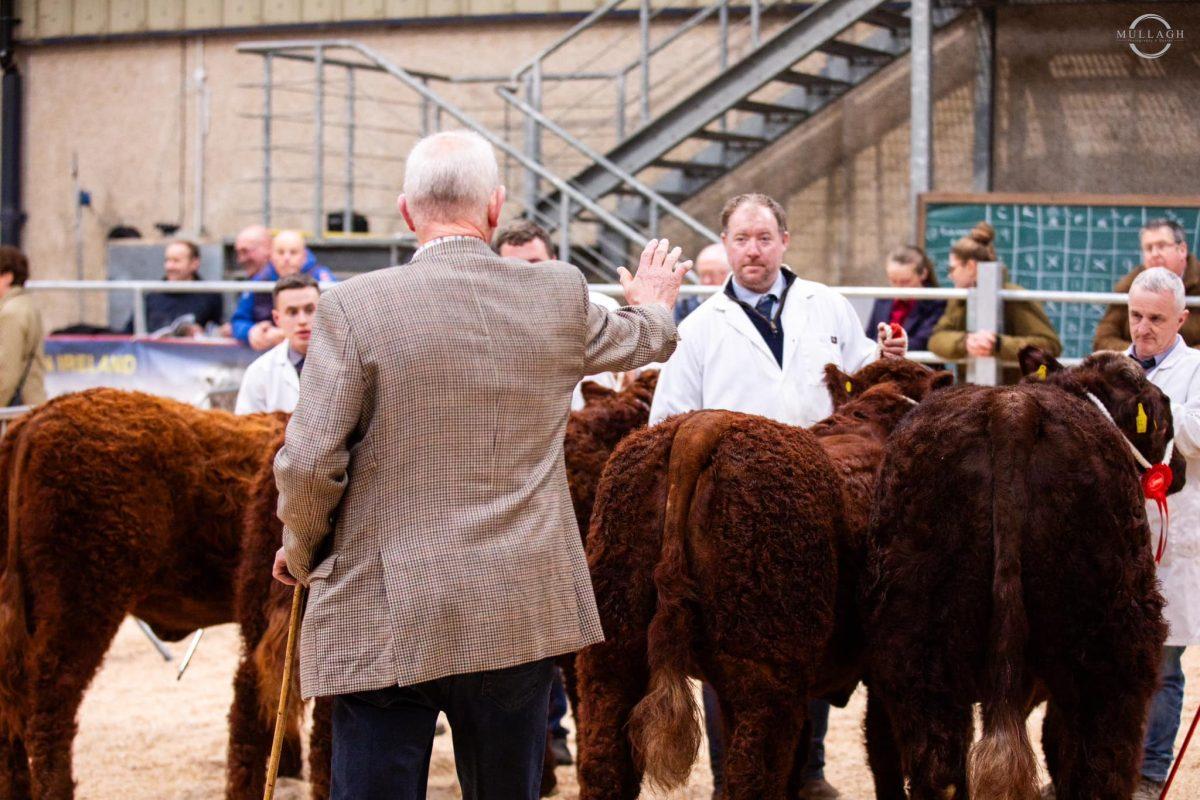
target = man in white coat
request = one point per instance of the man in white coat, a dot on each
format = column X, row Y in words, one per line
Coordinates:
column 272, row 382
column 760, row 346
column 1156, row 314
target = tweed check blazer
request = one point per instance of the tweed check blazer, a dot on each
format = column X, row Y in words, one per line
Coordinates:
column 421, row 483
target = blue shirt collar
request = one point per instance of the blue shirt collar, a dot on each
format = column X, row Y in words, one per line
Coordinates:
column 1161, row 357
column 751, row 298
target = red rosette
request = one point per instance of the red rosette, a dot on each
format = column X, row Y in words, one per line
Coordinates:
column 1156, row 481
column 897, row 331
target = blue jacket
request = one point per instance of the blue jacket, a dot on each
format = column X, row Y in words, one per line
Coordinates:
column 918, row 324
column 254, row 307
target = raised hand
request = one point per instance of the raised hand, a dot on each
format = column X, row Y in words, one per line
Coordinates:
column 659, row 275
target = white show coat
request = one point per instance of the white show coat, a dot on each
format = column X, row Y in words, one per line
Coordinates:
column 722, row 360
column 270, row 383
column 605, row 379
column 1179, row 378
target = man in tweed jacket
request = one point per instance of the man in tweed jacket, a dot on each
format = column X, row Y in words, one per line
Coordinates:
column 423, row 492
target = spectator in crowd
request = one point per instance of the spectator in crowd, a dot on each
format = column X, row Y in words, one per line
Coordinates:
column 252, row 248
column 1156, row 318
column 908, row 267
column 252, row 323
column 760, row 346
column 1025, row 323
column 527, row 241
column 181, row 262
column 1163, row 245
column 272, row 382
column 712, row 267
column 22, row 361
column 422, row 488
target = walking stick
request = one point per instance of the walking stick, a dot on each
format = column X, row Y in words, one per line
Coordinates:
column 1182, row 750
column 277, row 742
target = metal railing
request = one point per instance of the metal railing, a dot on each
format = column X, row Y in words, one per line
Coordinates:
column 327, row 131
column 8, row 414
column 984, row 303
column 655, row 200
column 531, row 76
column 358, row 56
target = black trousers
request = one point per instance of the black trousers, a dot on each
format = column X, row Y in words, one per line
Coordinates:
column 383, row 739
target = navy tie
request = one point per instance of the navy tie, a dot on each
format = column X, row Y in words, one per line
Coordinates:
column 765, row 304
column 1147, row 363
column 299, row 366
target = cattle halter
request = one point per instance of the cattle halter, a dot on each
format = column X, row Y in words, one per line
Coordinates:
column 1155, row 481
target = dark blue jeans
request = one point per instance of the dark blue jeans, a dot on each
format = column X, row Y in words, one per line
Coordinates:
column 383, row 739
column 1163, row 722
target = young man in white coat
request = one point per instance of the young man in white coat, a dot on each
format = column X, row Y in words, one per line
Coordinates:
column 272, row 382
column 1156, row 314
column 760, row 346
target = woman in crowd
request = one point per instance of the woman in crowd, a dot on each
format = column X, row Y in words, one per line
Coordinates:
column 909, row 268
column 1024, row 323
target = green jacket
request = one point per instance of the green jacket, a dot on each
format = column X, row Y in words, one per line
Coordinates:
column 1112, row 332
column 1024, row 323
column 22, row 359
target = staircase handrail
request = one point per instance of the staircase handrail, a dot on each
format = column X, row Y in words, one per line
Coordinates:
column 646, row 191
column 465, row 119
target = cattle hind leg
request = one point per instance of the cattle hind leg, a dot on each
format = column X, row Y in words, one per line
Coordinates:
column 1092, row 737
column 249, row 738
column 14, row 768
column 764, row 715
column 612, row 680
column 882, row 754
column 65, row 658
column 933, row 732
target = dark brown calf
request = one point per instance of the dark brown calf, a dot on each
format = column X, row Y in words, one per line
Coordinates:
column 1009, row 558
column 722, row 546
column 114, row 503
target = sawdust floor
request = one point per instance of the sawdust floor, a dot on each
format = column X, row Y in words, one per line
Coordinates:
column 145, row 736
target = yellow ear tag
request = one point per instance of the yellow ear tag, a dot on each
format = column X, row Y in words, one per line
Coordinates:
column 1041, row 372
column 1141, row 419
column 849, row 387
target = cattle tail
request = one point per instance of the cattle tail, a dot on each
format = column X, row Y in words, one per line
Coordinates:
column 1002, row 762
column 14, row 633
column 664, row 727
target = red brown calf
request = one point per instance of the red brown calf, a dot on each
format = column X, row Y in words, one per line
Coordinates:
column 115, row 503
column 722, row 547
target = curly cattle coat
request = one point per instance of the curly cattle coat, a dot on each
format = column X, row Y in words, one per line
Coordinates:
column 720, row 547
column 1009, row 560
column 115, row 503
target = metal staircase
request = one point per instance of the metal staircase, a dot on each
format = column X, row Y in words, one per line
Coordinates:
column 748, row 106
column 705, row 89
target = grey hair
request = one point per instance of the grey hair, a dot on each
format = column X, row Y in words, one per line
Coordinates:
column 450, row 174
column 1163, row 222
column 1161, row 280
